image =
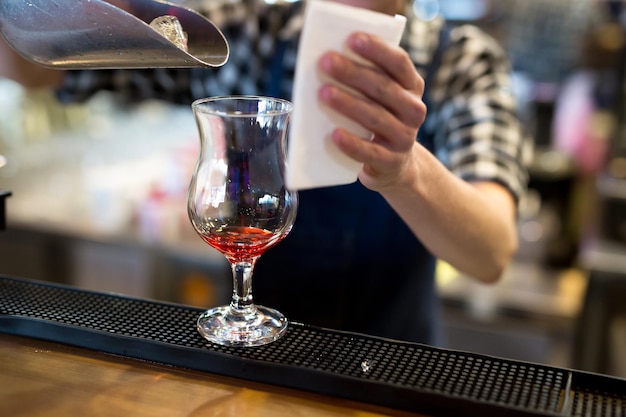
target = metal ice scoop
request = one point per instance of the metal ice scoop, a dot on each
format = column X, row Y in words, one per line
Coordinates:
column 100, row 34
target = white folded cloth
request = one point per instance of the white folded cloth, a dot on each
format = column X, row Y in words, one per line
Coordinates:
column 313, row 159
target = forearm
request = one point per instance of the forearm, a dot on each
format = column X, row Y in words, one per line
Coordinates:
column 470, row 226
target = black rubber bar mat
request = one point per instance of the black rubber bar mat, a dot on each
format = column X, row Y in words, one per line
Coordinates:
column 399, row 375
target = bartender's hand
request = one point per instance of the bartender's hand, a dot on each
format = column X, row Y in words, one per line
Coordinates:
column 390, row 106
column 470, row 225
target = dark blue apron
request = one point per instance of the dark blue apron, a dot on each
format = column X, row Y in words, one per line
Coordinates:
column 350, row 263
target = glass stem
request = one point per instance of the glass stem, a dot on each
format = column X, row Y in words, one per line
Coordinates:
column 241, row 303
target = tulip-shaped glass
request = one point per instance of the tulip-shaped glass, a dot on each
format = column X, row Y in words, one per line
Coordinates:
column 238, row 204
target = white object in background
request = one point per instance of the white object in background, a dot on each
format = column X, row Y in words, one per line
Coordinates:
column 313, row 159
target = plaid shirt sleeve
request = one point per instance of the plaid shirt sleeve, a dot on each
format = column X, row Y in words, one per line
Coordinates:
column 473, row 115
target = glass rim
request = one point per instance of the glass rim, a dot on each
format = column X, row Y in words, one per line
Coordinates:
column 197, row 105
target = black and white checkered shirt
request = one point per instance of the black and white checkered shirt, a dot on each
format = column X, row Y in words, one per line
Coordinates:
column 472, row 123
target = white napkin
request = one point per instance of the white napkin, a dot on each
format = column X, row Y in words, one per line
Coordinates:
column 313, row 159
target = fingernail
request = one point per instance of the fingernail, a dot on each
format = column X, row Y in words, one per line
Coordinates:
column 325, row 62
column 326, row 93
column 359, row 40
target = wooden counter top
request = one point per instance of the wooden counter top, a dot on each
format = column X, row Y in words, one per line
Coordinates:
column 39, row 378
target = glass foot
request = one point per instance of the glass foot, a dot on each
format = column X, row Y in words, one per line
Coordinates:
column 219, row 325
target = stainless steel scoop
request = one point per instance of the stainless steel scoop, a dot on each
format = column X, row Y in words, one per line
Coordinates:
column 101, row 34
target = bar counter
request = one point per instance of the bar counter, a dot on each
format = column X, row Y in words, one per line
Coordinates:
column 39, row 378
column 66, row 351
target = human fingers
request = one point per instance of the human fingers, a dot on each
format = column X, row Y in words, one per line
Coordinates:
column 382, row 166
column 386, row 128
column 373, row 99
column 389, row 79
column 392, row 59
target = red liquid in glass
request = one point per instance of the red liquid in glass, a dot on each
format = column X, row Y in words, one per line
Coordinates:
column 240, row 243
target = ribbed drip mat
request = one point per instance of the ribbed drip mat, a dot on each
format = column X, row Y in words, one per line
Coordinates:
column 400, row 375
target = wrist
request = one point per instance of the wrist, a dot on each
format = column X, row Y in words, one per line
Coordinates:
column 409, row 177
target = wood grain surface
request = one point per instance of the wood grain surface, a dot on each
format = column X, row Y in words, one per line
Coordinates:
column 43, row 379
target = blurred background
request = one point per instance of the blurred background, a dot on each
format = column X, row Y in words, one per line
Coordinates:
column 98, row 193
